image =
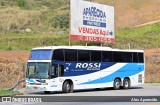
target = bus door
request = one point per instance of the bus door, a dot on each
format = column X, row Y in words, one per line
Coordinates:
column 57, row 72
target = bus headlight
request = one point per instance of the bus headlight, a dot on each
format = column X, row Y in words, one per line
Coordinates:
column 27, row 83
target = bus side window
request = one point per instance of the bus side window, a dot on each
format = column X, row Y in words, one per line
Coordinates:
column 57, row 71
column 96, row 56
column 54, row 71
column 61, row 70
column 106, row 56
column 140, row 58
column 70, row 55
column 58, row 54
column 117, row 56
column 84, row 55
column 135, row 57
column 127, row 57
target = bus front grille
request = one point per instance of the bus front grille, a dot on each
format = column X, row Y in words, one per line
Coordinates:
column 35, row 83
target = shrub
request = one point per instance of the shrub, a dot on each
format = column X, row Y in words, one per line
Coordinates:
column 60, row 20
column 2, row 3
column 21, row 3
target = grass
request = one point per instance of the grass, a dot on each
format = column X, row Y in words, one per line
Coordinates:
column 26, row 42
column 141, row 37
column 145, row 37
column 13, row 18
column 8, row 93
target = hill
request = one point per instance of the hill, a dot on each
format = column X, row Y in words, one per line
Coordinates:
column 25, row 24
column 134, row 12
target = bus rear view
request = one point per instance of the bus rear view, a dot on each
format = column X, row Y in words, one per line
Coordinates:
column 69, row 68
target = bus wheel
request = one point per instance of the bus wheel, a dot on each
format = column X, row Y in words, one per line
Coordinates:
column 47, row 92
column 117, row 84
column 67, row 87
column 126, row 83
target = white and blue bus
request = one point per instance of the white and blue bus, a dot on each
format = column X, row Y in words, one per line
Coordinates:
column 69, row 68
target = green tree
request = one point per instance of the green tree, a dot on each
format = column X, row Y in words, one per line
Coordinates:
column 2, row 3
column 21, row 3
column 60, row 20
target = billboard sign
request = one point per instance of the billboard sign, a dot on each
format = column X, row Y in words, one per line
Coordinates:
column 91, row 22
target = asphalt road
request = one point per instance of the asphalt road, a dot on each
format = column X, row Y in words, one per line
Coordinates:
column 101, row 97
column 143, row 90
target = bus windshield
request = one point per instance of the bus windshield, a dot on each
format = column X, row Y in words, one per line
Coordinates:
column 38, row 70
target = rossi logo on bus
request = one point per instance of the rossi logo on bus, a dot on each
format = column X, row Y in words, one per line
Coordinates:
column 88, row 66
column 93, row 16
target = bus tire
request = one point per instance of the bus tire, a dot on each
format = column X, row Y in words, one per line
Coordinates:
column 47, row 92
column 126, row 83
column 117, row 84
column 71, row 91
column 67, row 87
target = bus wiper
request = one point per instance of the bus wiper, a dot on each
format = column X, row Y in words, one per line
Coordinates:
column 33, row 75
column 30, row 76
column 39, row 76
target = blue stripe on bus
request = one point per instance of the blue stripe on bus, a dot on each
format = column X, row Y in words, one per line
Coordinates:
column 126, row 71
column 30, row 80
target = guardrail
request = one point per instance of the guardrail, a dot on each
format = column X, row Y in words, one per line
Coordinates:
column 17, row 83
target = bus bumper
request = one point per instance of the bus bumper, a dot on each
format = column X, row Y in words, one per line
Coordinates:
column 35, row 88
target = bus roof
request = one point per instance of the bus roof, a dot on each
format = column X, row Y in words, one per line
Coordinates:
column 85, row 48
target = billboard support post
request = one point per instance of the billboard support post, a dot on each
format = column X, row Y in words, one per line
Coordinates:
column 86, row 43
